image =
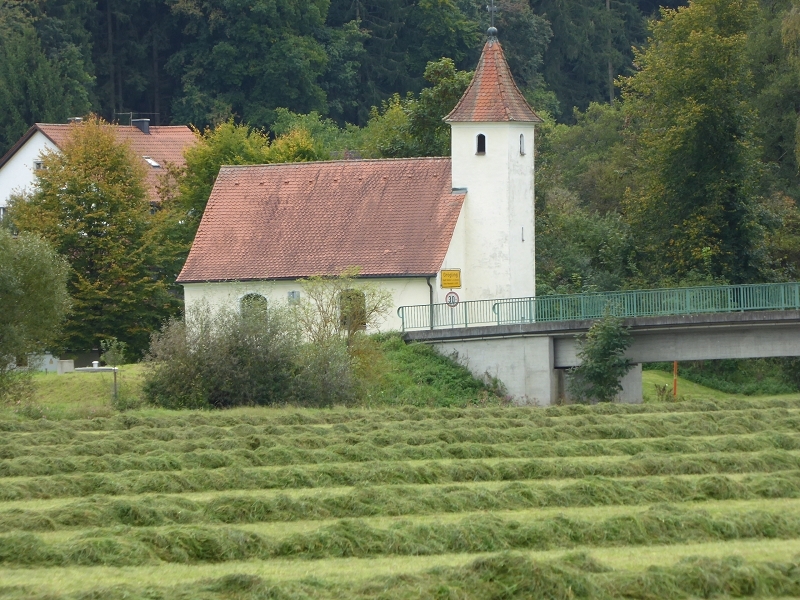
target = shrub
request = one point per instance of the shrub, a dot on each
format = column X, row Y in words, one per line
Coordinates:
column 221, row 358
column 325, row 375
column 603, row 362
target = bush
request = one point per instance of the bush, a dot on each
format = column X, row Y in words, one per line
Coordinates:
column 603, row 362
column 222, row 358
column 325, row 375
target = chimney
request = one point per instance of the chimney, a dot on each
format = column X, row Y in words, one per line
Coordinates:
column 75, row 120
column 142, row 124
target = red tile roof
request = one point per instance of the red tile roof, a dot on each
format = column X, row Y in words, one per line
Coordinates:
column 492, row 96
column 164, row 144
column 389, row 217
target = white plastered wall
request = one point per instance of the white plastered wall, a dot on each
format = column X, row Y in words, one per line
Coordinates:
column 17, row 174
column 498, row 210
column 454, row 259
column 404, row 290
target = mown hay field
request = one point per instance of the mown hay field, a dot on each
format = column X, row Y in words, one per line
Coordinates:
column 680, row 500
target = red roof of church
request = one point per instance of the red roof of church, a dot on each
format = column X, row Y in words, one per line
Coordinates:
column 492, row 96
column 390, row 217
column 164, row 144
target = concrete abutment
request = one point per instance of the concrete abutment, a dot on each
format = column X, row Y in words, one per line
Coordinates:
column 526, row 368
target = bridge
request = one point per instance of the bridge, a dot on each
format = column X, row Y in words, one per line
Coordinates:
column 529, row 343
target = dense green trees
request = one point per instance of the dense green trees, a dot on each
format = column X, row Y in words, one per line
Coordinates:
column 91, row 205
column 696, row 210
column 696, row 159
column 414, row 126
column 36, row 86
column 181, row 61
column 34, row 300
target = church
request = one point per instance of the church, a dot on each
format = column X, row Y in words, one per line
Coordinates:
column 419, row 227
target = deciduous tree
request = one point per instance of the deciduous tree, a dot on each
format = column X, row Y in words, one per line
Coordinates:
column 92, row 206
column 33, row 296
column 696, row 212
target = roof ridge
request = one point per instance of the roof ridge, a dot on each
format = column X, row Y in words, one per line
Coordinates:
column 349, row 161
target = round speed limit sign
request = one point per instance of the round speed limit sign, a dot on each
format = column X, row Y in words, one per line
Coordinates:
column 451, row 299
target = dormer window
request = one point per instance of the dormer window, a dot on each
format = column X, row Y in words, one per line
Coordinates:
column 151, row 162
column 481, row 144
column 522, row 144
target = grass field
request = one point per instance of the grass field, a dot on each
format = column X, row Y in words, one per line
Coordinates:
column 691, row 499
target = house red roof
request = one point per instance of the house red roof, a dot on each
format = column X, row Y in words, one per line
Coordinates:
column 389, row 217
column 164, row 144
column 492, row 95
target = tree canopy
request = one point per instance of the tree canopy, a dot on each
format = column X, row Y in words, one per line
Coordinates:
column 33, row 294
column 200, row 63
column 696, row 209
column 91, row 205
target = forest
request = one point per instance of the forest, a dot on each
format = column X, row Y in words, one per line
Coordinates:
column 192, row 61
column 668, row 155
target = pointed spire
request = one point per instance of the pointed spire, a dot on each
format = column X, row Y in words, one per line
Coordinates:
column 492, row 96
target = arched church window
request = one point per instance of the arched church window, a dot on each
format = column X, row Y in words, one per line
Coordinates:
column 481, row 144
column 253, row 305
column 521, row 144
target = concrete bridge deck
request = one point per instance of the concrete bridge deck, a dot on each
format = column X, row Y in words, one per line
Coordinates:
column 530, row 358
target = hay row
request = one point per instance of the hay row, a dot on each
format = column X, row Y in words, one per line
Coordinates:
column 407, row 415
column 396, row 501
column 381, row 473
column 382, row 436
column 353, row 538
column 159, row 458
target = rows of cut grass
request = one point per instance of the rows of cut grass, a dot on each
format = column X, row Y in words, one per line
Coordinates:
column 353, row 503
column 243, row 417
column 359, row 538
column 501, row 499
column 152, row 457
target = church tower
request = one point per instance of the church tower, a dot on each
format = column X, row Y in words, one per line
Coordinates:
column 492, row 148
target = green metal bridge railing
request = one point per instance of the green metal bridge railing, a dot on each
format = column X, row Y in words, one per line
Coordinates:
column 634, row 303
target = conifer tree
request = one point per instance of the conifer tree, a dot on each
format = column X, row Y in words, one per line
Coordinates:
column 35, row 87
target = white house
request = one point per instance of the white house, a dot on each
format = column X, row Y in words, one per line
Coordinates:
column 402, row 221
column 156, row 146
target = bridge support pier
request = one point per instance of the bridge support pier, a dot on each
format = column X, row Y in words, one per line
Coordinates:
column 525, row 366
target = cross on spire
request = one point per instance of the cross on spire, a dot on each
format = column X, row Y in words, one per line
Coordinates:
column 491, row 8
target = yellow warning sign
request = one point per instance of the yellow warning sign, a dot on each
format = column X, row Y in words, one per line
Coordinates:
column 451, row 278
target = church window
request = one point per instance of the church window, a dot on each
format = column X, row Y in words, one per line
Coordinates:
column 253, row 305
column 522, row 144
column 481, row 144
